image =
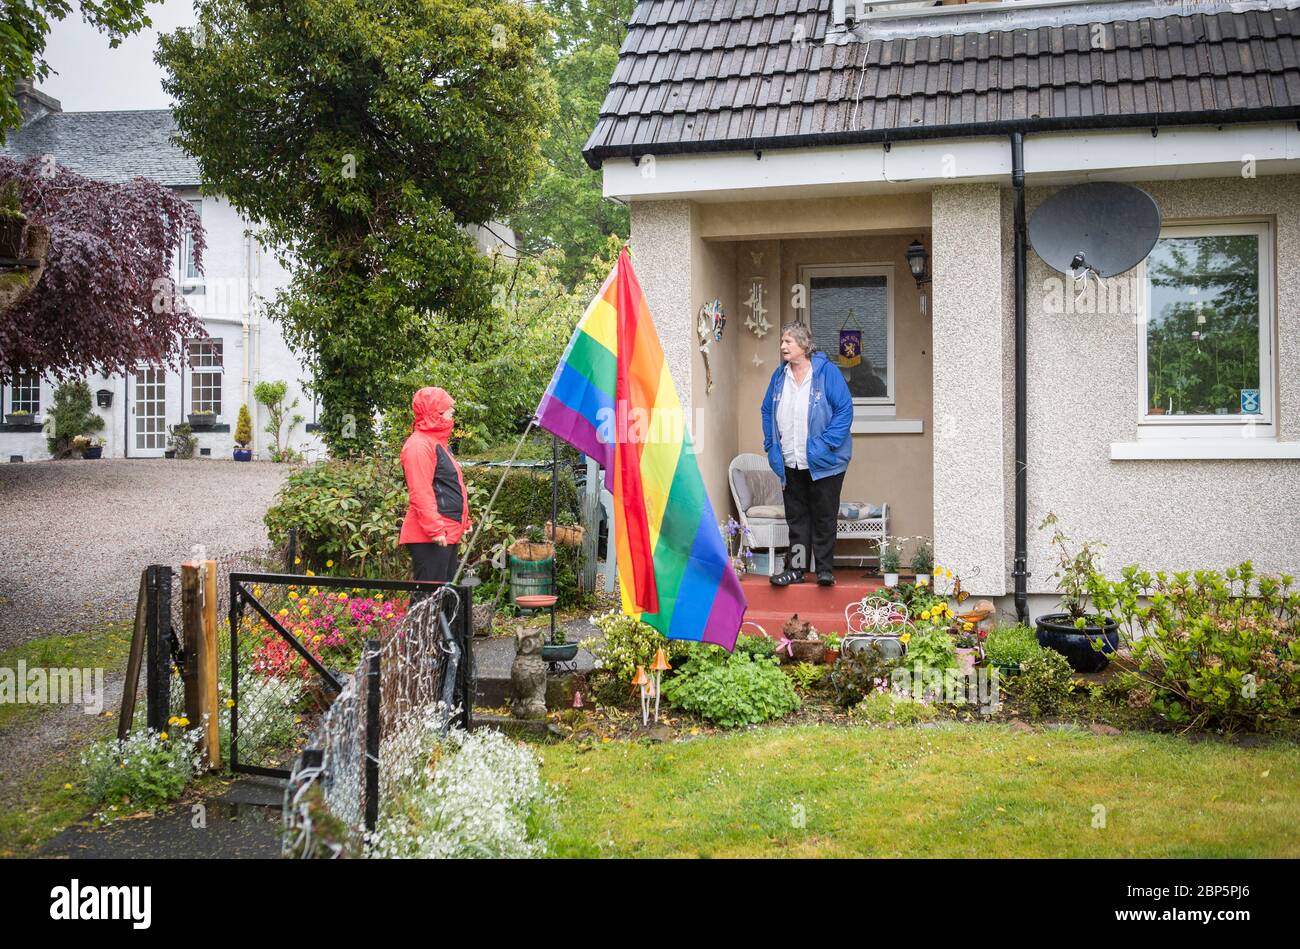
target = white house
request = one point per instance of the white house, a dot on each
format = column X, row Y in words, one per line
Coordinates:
column 243, row 348
column 793, row 151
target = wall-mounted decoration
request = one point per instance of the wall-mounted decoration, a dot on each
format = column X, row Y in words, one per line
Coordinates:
column 708, row 327
column 850, row 353
column 757, row 322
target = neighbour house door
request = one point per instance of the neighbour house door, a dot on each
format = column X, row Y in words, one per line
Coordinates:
column 149, row 413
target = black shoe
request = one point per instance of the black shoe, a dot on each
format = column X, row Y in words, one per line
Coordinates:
column 825, row 578
column 787, row 578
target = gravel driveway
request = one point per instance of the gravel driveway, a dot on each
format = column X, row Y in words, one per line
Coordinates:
column 74, row 535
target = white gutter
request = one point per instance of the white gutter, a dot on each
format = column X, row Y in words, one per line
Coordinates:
column 1120, row 154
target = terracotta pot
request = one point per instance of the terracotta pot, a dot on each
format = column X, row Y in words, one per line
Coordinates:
column 830, row 656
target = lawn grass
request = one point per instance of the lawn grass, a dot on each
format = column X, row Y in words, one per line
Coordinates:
column 105, row 646
column 953, row 790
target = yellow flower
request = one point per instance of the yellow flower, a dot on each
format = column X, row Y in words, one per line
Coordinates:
column 968, row 626
column 329, row 563
column 283, row 613
column 343, row 596
column 173, row 720
column 379, row 596
column 938, row 570
column 949, row 573
column 257, row 591
column 925, row 614
column 905, row 638
column 313, row 591
column 293, row 596
column 230, row 703
column 183, row 722
column 297, row 560
column 317, row 638
column 310, row 574
column 162, row 735
column 67, row 787
column 306, row 611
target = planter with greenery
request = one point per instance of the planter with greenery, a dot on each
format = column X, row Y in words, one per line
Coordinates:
column 182, row 441
column 70, row 416
column 1007, row 646
column 889, row 562
column 21, row 417
column 203, row 418
column 923, row 561
column 90, row 448
column 243, row 435
column 1086, row 639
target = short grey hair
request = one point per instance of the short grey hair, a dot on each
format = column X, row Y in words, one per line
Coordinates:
column 801, row 334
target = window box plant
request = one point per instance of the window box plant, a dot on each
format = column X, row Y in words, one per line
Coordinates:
column 1086, row 639
column 830, row 648
column 203, row 418
column 243, row 435
column 20, row 417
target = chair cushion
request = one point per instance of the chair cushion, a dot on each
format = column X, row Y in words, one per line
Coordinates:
column 857, row 510
column 766, row 510
column 764, row 487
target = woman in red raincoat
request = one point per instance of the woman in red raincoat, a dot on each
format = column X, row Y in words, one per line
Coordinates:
column 438, row 515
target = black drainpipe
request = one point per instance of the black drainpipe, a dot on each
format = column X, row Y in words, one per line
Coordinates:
column 1019, row 568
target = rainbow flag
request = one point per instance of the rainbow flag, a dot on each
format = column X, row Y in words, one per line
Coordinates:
column 613, row 398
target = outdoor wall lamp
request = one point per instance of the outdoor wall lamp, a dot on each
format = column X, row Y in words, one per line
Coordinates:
column 918, row 261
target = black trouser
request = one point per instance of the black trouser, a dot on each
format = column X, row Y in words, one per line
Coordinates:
column 432, row 562
column 811, row 510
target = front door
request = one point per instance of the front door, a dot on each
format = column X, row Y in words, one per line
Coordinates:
column 149, row 413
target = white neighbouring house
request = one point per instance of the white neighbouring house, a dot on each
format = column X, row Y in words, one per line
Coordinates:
column 243, row 347
column 794, row 151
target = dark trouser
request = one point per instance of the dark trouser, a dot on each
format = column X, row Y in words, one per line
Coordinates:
column 432, row 562
column 811, row 511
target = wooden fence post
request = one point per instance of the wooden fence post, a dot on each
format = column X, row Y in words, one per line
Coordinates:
column 192, row 630
column 208, row 665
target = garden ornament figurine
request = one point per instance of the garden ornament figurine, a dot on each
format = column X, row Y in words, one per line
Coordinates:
column 528, row 675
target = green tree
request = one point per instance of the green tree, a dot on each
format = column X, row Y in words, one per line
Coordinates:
column 566, row 208
column 70, row 415
column 363, row 135
column 26, row 26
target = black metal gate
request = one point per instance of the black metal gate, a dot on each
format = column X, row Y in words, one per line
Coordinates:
column 248, row 717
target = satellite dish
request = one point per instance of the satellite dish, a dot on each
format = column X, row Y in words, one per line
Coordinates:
column 1102, row 227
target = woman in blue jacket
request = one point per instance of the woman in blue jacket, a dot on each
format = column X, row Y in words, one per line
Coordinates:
column 807, row 415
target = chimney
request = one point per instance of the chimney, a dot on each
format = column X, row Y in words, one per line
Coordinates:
column 33, row 102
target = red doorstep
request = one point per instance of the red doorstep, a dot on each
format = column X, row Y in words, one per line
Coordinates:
column 771, row 606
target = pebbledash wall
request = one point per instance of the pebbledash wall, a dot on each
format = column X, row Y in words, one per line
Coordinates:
column 236, row 273
column 1082, row 380
column 1168, row 513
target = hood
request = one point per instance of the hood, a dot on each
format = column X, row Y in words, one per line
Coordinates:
column 428, row 404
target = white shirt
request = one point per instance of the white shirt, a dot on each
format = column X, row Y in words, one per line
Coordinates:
column 792, row 419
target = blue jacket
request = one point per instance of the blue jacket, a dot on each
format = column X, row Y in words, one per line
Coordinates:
column 830, row 417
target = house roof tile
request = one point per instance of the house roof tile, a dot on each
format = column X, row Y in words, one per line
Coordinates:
column 718, row 75
column 108, row 146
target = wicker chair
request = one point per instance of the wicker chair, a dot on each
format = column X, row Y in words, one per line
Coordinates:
column 756, row 491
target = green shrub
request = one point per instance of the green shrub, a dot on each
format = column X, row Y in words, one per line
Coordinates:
column 933, row 650
column 1010, row 645
column 805, row 675
column 858, row 673
column 732, row 690
column 1044, row 681
column 885, row 708
column 625, row 643
column 244, row 427
column 70, row 415
column 1212, row 648
column 144, row 771
column 525, row 497
column 755, row 646
column 346, row 511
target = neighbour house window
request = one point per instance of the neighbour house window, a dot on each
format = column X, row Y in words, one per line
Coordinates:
column 851, row 316
column 26, row 395
column 190, row 276
column 205, row 381
column 1206, row 343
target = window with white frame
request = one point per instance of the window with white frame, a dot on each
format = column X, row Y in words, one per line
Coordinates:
column 1205, row 345
column 26, row 394
column 190, row 275
column 206, row 356
column 851, row 317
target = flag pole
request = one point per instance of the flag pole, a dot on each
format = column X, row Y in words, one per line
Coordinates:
column 492, row 500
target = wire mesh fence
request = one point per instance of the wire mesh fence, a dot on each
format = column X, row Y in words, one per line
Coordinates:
column 380, row 729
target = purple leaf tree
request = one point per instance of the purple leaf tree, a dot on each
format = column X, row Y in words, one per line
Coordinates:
column 107, row 300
